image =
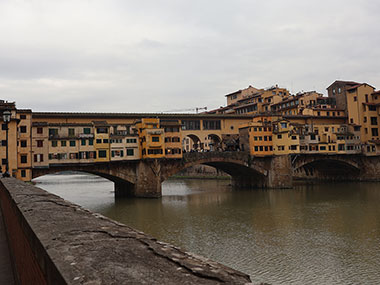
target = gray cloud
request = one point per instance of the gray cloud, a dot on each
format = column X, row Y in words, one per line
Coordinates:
column 146, row 56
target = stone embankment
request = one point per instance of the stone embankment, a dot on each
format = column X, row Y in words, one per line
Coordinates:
column 53, row 241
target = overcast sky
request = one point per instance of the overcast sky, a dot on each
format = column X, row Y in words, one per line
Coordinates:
column 154, row 56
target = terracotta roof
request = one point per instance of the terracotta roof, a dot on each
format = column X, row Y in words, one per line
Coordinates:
column 328, row 109
column 233, row 93
column 246, row 105
column 343, row 82
column 358, row 85
column 376, row 92
column 371, row 104
column 39, row 115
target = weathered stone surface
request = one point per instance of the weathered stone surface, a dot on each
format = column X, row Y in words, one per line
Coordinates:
column 87, row 248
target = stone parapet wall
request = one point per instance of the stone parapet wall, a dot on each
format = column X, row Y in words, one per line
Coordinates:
column 56, row 242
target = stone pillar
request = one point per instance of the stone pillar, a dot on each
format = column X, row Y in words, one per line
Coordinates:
column 370, row 168
column 124, row 189
column 148, row 179
column 248, row 181
column 280, row 174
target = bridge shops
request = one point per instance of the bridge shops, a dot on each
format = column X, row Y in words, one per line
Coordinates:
column 50, row 140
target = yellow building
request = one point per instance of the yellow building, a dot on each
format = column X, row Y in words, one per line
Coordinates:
column 102, row 141
column 286, row 138
column 24, row 144
column 256, row 137
column 173, row 138
column 13, row 154
column 234, row 97
column 152, row 139
column 124, row 143
column 70, row 143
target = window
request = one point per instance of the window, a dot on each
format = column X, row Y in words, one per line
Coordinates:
column 38, row 157
column 371, row 108
column 39, row 130
column 23, row 143
column 351, row 120
column 102, row 130
column 87, row 131
column 40, row 143
column 83, row 142
column 211, row 124
column 322, row 147
column 90, row 142
column 23, row 173
column 105, row 140
column 131, row 140
column 130, row 152
column 318, row 113
column 53, row 132
column 355, row 98
column 98, row 140
column 102, row 153
column 22, row 117
column 4, row 161
column 294, row 137
column 22, row 129
column 72, row 143
column 339, row 90
column 279, row 136
column 24, row 158
column 155, row 151
column 256, row 148
column 293, row 147
column 374, row 121
column 71, row 132
column 155, row 139
column 4, row 127
column 365, row 119
column 375, row 132
column 63, row 143
column 54, row 143
column 191, row 125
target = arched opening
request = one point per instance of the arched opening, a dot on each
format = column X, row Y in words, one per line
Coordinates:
column 214, row 142
column 73, row 178
column 85, row 189
column 202, row 171
column 327, row 169
column 191, row 143
column 240, row 174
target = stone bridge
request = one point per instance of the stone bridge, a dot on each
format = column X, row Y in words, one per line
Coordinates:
column 337, row 167
column 143, row 178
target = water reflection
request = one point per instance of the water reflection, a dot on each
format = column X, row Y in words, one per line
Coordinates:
column 314, row 234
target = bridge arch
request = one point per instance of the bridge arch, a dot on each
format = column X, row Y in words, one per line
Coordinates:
column 123, row 179
column 195, row 142
column 324, row 167
column 242, row 172
column 214, row 141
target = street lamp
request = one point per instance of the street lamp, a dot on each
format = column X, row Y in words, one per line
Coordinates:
column 6, row 118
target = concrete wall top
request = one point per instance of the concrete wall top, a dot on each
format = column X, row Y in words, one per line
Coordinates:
column 87, row 248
